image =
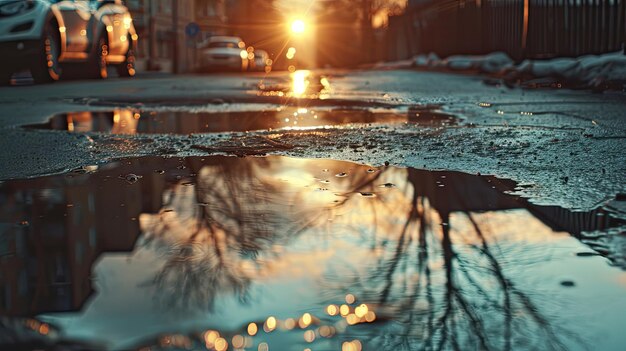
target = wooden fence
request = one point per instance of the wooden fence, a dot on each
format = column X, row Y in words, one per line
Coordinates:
column 520, row 28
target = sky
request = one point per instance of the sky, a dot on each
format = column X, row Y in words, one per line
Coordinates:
column 299, row 8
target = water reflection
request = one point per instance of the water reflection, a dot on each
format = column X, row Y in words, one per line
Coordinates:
column 127, row 121
column 302, row 85
column 288, row 254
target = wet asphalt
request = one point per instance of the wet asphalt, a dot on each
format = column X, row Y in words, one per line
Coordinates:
column 565, row 147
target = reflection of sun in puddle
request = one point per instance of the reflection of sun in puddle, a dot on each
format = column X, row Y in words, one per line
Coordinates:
column 300, row 82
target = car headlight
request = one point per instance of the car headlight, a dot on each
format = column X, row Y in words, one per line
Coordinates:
column 16, row 7
column 243, row 54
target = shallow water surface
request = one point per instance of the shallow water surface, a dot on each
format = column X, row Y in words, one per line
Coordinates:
column 129, row 121
column 287, row 254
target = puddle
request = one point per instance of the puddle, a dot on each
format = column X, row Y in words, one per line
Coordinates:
column 302, row 84
column 288, row 254
column 128, row 121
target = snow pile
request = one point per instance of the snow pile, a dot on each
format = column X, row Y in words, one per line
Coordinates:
column 492, row 63
column 591, row 71
column 430, row 60
column 402, row 64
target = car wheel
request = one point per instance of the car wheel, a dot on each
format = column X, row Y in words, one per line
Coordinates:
column 127, row 68
column 97, row 65
column 72, row 71
column 46, row 68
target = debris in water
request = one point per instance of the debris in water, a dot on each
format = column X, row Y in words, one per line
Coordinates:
column 131, row 178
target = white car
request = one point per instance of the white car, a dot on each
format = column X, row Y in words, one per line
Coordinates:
column 49, row 37
column 224, row 53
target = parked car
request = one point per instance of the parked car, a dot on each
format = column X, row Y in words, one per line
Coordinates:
column 224, row 53
column 49, row 37
column 262, row 61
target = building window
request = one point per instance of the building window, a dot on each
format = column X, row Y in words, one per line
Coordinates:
column 207, row 8
column 164, row 6
column 164, row 49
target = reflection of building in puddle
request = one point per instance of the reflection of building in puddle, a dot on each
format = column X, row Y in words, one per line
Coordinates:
column 437, row 255
column 55, row 228
column 116, row 122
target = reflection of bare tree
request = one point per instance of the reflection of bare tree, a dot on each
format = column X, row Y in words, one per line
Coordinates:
column 194, row 274
column 236, row 215
column 450, row 288
column 452, row 291
column 204, row 252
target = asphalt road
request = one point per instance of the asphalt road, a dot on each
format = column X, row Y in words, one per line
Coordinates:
column 564, row 147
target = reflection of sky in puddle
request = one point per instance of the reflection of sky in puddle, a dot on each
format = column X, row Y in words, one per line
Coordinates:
column 440, row 257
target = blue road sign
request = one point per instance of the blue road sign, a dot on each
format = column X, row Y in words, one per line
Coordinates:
column 192, row 29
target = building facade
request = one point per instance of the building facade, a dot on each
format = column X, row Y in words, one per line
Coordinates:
column 168, row 39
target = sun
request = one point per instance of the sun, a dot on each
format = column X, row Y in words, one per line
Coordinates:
column 298, row 26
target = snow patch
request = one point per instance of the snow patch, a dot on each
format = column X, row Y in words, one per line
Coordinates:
column 590, row 71
column 492, row 63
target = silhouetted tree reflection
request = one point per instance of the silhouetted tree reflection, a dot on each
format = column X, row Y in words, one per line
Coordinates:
column 438, row 268
column 451, row 290
column 204, row 251
column 215, row 228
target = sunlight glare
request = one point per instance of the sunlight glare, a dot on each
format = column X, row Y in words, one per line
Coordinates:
column 300, row 82
column 298, row 26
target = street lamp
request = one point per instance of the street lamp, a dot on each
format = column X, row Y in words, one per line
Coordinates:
column 298, row 29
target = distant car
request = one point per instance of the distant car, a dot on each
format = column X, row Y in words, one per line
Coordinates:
column 224, row 53
column 262, row 61
column 49, row 37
